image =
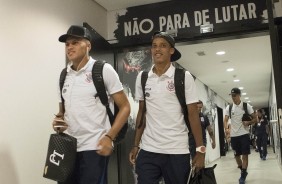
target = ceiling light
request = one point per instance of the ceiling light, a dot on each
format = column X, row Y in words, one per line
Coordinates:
column 246, row 98
column 230, row 69
column 236, row 80
column 241, row 88
column 249, row 101
column 244, row 94
column 220, row 53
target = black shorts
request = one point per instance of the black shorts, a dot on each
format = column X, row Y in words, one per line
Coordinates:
column 241, row 145
column 150, row 167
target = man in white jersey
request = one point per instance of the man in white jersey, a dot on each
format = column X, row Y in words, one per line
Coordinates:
column 240, row 139
column 162, row 139
column 85, row 116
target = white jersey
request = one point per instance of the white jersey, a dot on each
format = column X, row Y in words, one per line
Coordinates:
column 237, row 111
column 84, row 113
column 166, row 131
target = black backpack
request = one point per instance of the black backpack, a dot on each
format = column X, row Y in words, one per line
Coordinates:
column 246, row 115
column 97, row 76
column 179, row 83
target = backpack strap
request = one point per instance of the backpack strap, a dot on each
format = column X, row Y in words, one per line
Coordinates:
column 144, row 77
column 61, row 83
column 179, row 83
column 98, row 80
column 230, row 109
column 245, row 107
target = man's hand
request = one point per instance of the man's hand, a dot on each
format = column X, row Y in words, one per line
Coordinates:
column 105, row 146
column 245, row 123
column 213, row 144
column 198, row 161
column 59, row 125
column 132, row 155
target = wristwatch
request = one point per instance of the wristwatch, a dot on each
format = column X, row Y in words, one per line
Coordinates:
column 201, row 149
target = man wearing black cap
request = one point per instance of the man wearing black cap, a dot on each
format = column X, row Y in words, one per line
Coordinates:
column 83, row 115
column 164, row 150
column 240, row 139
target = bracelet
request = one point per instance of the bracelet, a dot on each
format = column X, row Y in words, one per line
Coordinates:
column 109, row 137
column 136, row 146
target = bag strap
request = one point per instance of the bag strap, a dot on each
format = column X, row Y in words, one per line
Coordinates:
column 61, row 83
column 245, row 107
column 230, row 109
column 179, row 83
column 98, row 80
column 144, row 77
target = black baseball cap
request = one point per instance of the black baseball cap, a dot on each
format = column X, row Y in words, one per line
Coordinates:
column 76, row 31
column 235, row 91
column 159, row 34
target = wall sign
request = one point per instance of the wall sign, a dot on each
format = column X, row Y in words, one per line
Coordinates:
column 135, row 25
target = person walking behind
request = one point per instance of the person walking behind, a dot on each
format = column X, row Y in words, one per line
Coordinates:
column 262, row 131
column 205, row 124
column 163, row 135
column 82, row 113
column 240, row 139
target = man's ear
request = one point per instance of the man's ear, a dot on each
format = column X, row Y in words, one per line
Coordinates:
column 88, row 47
column 172, row 50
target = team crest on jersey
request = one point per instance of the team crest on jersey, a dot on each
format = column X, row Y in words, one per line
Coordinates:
column 170, row 86
column 88, row 77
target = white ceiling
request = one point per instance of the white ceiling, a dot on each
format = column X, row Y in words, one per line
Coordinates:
column 250, row 58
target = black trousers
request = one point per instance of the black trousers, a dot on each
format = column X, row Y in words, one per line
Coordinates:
column 262, row 144
column 90, row 168
column 150, row 167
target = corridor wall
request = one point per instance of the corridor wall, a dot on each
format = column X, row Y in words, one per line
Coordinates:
column 31, row 60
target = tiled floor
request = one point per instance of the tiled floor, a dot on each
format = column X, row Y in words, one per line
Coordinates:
column 260, row 172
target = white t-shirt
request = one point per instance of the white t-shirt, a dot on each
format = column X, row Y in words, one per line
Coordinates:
column 84, row 113
column 237, row 111
column 166, row 131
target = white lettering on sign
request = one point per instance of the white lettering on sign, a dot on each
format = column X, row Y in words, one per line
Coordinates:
column 52, row 158
column 175, row 21
column 235, row 13
column 133, row 28
column 201, row 17
column 231, row 13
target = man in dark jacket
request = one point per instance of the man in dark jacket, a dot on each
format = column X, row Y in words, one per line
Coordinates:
column 205, row 124
column 262, row 134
